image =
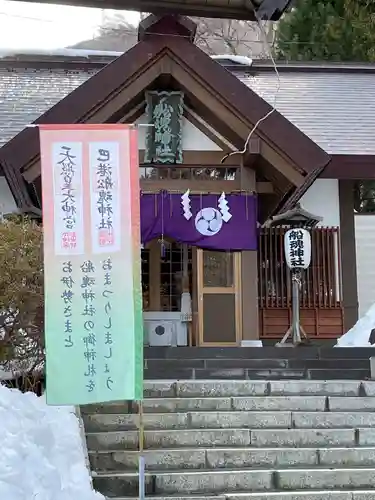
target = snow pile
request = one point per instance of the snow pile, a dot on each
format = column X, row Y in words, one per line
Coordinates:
column 359, row 335
column 243, row 60
column 41, row 452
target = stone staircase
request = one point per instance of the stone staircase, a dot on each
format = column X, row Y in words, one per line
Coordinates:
column 239, row 440
column 267, row 363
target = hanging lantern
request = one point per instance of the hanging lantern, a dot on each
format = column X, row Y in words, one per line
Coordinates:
column 297, row 245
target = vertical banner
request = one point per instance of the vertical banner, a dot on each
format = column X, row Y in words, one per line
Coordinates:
column 93, row 301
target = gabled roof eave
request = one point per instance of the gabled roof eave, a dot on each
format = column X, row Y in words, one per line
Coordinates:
column 244, row 102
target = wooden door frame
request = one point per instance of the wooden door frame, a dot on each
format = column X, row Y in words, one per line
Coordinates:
column 235, row 289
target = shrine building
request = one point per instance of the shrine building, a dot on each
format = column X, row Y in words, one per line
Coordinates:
column 214, row 272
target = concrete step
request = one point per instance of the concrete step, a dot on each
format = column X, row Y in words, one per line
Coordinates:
column 257, row 438
column 268, row 352
column 294, row 479
column 268, row 363
column 259, row 403
column 295, row 495
column 201, row 482
column 260, row 363
column 339, row 374
column 230, row 420
column 332, row 420
column 303, row 438
column 170, row 439
column 198, row 389
column 219, row 481
column 351, row 404
column 202, row 420
column 273, row 439
column 181, row 372
column 233, row 458
column 207, row 388
column 235, row 388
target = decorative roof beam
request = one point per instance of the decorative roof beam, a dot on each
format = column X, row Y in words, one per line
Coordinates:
column 233, row 9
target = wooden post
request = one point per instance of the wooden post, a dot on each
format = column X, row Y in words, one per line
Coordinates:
column 249, row 273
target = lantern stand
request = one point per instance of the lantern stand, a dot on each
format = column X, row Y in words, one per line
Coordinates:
column 295, row 219
column 296, row 328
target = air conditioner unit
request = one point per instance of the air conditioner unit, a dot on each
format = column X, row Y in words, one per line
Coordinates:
column 164, row 329
column 161, row 333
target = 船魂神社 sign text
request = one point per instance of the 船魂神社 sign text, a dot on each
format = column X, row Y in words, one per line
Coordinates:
column 297, row 244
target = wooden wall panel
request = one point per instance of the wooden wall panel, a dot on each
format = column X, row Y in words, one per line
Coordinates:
column 321, row 323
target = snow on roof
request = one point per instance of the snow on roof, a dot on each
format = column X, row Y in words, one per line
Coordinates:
column 14, row 53
column 88, row 54
column 242, row 60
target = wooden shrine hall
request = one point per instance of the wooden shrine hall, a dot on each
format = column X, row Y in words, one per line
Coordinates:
column 212, row 274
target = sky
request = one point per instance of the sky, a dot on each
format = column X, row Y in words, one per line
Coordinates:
column 26, row 25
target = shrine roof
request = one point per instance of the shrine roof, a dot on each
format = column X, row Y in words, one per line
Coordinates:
column 322, row 100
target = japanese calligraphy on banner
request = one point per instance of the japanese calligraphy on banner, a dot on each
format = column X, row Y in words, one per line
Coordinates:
column 297, row 243
column 93, row 302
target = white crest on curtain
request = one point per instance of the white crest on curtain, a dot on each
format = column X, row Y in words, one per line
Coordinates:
column 186, row 205
column 224, row 208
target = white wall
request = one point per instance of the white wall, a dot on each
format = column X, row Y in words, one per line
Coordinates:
column 322, row 198
column 365, row 249
column 7, row 203
column 192, row 138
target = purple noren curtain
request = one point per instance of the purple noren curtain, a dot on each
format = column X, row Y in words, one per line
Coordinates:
column 229, row 224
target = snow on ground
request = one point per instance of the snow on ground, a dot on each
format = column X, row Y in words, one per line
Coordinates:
column 359, row 335
column 41, row 452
